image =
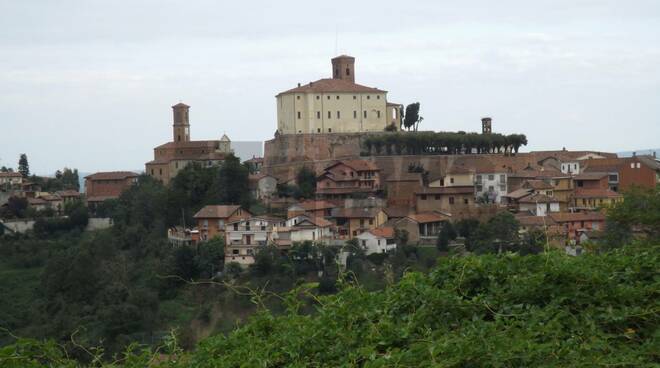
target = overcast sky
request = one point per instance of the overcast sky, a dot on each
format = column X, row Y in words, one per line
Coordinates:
column 89, row 84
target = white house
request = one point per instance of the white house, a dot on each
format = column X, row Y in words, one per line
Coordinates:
column 304, row 227
column 490, row 184
column 380, row 240
column 570, row 167
column 539, row 204
column 244, row 238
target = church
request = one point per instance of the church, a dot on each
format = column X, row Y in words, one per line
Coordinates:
column 335, row 105
column 173, row 156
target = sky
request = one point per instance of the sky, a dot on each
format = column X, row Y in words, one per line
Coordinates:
column 90, row 84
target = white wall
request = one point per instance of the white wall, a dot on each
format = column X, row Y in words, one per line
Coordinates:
column 373, row 244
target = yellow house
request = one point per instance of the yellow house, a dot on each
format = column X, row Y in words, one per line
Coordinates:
column 353, row 221
column 335, row 105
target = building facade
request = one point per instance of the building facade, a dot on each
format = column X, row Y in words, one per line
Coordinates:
column 171, row 157
column 335, row 105
column 108, row 185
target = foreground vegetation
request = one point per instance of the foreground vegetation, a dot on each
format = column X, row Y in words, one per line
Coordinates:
column 508, row 310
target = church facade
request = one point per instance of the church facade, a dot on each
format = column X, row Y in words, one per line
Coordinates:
column 171, row 157
column 335, row 105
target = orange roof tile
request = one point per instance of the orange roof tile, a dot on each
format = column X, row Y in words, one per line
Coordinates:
column 217, row 211
column 112, row 175
column 329, row 85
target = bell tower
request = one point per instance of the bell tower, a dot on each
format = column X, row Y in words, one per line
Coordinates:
column 486, row 125
column 181, row 126
column 343, row 67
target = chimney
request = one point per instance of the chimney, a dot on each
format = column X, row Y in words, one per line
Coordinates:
column 343, row 67
column 298, row 84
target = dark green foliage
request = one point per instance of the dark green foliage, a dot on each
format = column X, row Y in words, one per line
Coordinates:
column 639, row 212
column 16, row 208
column 23, row 165
column 231, row 184
column 76, row 218
column 447, row 233
column 412, row 118
column 210, row 257
column 441, row 143
column 306, row 180
column 500, row 233
column 466, row 227
column 184, row 263
column 66, row 179
column 328, row 285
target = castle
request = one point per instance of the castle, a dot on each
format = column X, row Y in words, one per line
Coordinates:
column 335, row 105
column 173, row 156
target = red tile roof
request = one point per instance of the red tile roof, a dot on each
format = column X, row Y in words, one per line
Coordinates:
column 394, row 212
column 112, row 175
column 537, row 185
column 577, row 216
column 217, row 211
column 383, row 232
column 329, row 85
column 426, row 217
column 538, row 198
column 590, row 176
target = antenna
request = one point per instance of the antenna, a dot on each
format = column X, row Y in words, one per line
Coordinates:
column 336, row 39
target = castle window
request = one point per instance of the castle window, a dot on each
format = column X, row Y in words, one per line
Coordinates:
column 329, row 130
column 337, row 97
column 365, row 113
column 329, row 114
column 378, row 113
column 354, row 114
column 368, row 97
column 338, row 115
column 318, row 114
column 318, row 130
column 298, row 114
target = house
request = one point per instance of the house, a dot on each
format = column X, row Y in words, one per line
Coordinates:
column 573, row 222
column 343, row 179
column 172, row 157
column 353, row 221
column 212, row 220
column 626, row 172
column 10, row 179
column 407, row 224
column 262, row 186
column 107, row 185
column 38, row 204
column 335, row 105
column 244, row 238
column 304, row 227
column 312, row 208
column 490, row 185
column 590, row 199
column 457, row 200
column 456, row 175
column 538, row 204
column 593, row 180
column 401, row 188
column 429, row 224
column 379, row 240
column 255, row 164
column 68, row 195
column 54, row 201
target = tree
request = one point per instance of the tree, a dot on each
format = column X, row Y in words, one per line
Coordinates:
column 639, row 211
column 447, row 233
column 23, row 165
column 412, row 117
column 210, row 257
column 306, row 180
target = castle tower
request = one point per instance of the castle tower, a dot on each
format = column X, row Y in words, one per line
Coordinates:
column 181, row 126
column 486, row 125
column 343, row 67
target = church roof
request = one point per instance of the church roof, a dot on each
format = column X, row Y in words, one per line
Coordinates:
column 330, row 85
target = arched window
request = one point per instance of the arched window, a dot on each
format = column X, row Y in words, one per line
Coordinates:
column 348, row 71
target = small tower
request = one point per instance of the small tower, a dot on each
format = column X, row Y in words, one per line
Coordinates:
column 343, row 67
column 181, row 126
column 486, row 125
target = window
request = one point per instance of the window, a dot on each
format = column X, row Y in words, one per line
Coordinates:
column 337, row 97
column 329, row 130
column 491, row 188
column 480, row 188
column 355, row 97
column 423, row 197
column 298, row 114
column 479, row 179
column 502, row 179
column 234, row 251
column 206, row 223
column 329, row 115
column 318, row 130
column 437, row 197
column 328, row 97
column 354, row 114
column 160, row 171
column 318, row 114
column 263, row 228
column 378, row 114
column 236, row 227
column 365, row 114
column 297, row 97
column 378, row 97
column 348, row 71
column 338, row 115
column 247, row 226
column 371, row 221
column 632, row 165
column 491, row 177
column 368, row 97
column 639, row 165
column 318, row 97
column 466, row 201
column 502, row 188
column 451, row 200
column 176, row 165
column 451, row 180
column 361, row 222
column 152, row 171
column 364, row 243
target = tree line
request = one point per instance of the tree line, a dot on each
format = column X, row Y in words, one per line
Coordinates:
column 441, row 143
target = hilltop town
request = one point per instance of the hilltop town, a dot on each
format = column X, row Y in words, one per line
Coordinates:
column 367, row 178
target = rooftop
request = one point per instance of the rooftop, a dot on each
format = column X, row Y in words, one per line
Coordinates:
column 330, row 85
column 217, row 211
column 112, row 175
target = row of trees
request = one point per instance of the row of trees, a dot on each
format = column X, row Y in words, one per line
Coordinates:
column 418, row 143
